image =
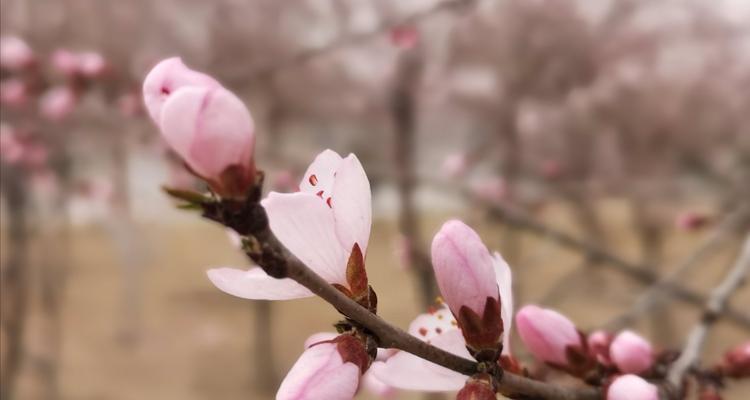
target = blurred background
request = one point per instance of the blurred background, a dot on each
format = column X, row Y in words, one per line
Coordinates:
column 600, row 145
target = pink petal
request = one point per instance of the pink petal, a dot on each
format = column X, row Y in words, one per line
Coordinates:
column 377, row 387
column 320, row 373
column 320, row 174
column 210, row 129
column 351, row 203
column 165, row 78
column 304, row 224
column 463, row 267
column 427, row 326
column 255, row 284
column 15, row 53
column 505, row 284
column 631, row 353
column 546, row 333
column 632, row 387
column 406, row 371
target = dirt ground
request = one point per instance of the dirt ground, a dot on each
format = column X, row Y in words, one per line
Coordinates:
column 184, row 339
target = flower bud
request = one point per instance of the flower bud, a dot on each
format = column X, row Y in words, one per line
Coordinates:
column 212, row 131
column 736, row 362
column 65, row 62
column 465, row 273
column 478, row 387
column 631, row 353
column 326, row 370
column 13, row 93
column 549, row 336
column 15, row 54
column 91, row 64
column 57, row 103
column 632, row 387
column 165, row 78
column 599, row 342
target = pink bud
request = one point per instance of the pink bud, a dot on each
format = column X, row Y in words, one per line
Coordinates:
column 631, row 353
column 404, row 37
column 632, row 387
column 324, row 371
column 551, row 169
column 165, row 78
column 691, row 221
column 91, row 64
column 65, row 61
column 13, row 93
column 57, row 103
column 11, row 148
column 736, row 362
column 492, row 190
column 599, row 342
column 463, row 268
column 15, row 54
column 212, row 131
column 547, row 334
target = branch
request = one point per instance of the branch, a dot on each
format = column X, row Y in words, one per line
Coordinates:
column 716, row 303
column 653, row 295
column 250, row 220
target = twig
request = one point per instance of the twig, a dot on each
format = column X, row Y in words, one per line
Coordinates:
column 716, row 303
column 654, row 294
column 265, row 250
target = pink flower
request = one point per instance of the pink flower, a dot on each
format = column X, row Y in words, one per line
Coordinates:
column 13, row 93
column 631, row 353
column 15, row 54
column 690, row 221
column 57, row 103
column 320, row 225
column 547, row 334
column 212, row 131
column 326, row 370
column 468, row 276
column 165, row 78
column 632, row 387
column 404, row 37
column 491, row 190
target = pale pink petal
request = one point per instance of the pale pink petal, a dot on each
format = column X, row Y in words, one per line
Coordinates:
column 632, row 387
column 255, row 284
column 463, row 267
column 304, row 224
column 427, row 326
column 318, row 178
column 406, row 371
column 320, row 373
column 210, row 129
column 631, row 353
column 351, row 203
column 165, row 78
column 505, row 284
column 377, row 387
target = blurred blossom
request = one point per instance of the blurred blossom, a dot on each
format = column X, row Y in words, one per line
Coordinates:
column 691, row 220
column 35, row 155
column 598, row 342
column 736, row 362
column 130, row 104
column 551, row 169
column 455, row 165
column 15, row 54
column 65, row 62
column 490, row 189
column 44, row 181
column 13, row 93
column 57, row 103
column 402, row 251
column 404, row 37
column 91, row 64
column 11, row 149
column 474, row 82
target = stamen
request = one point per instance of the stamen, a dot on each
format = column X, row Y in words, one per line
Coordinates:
column 423, row 331
column 313, row 180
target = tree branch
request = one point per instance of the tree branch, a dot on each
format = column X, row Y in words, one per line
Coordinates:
column 716, row 303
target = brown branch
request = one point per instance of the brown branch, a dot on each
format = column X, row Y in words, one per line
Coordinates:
column 716, row 303
column 250, row 220
column 655, row 294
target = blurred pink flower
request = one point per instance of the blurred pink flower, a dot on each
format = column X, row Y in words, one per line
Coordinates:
column 165, row 78
column 328, row 370
column 551, row 169
column 65, row 61
column 57, row 103
column 547, row 334
column 402, row 251
column 11, row 148
column 35, row 155
column 320, row 225
column 15, row 54
column 469, row 276
column 598, row 342
column 632, row 387
column 455, row 165
column 284, row 181
column 491, row 190
column 631, row 353
column 690, row 221
column 736, row 362
column 405, row 37
column 91, row 64
column 13, row 93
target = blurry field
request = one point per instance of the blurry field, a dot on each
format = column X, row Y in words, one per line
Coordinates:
column 194, row 342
